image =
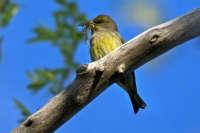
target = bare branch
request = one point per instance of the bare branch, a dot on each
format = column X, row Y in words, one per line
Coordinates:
column 94, row 78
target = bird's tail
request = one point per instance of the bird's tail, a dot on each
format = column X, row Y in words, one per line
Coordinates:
column 137, row 102
column 128, row 83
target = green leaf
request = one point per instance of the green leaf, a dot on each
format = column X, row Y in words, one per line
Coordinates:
column 40, row 78
column 43, row 34
column 62, row 2
column 37, row 85
column 6, row 16
column 46, row 77
column 3, row 5
column 66, row 38
column 24, row 111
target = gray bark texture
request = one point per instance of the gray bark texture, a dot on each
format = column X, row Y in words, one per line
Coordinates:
column 95, row 77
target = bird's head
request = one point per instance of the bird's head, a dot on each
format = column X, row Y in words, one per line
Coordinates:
column 101, row 22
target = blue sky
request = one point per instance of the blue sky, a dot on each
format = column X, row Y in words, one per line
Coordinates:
column 168, row 84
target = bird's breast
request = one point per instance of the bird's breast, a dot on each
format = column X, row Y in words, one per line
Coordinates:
column 102, row 43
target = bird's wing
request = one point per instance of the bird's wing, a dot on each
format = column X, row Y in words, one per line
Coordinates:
column 122, row 40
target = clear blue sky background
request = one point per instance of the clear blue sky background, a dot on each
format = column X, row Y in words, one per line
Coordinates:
column 168, row 84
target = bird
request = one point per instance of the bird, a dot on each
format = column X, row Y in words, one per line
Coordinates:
column 104, row 39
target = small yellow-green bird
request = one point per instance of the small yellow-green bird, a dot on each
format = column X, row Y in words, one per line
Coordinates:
column 105, row 38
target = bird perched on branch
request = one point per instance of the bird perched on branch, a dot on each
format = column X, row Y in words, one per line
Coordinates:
column 105, row 38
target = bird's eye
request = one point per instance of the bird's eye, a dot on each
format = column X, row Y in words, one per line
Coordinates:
column 98, row 21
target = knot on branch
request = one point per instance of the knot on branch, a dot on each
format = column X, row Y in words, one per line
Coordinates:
column 82, row 69
column 154, row 39
column 28, row 122
column 155, row 36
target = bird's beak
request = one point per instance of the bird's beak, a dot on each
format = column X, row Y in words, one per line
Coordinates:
column 88, row 24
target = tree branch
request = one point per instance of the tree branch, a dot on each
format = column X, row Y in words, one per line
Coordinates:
column 94, row 78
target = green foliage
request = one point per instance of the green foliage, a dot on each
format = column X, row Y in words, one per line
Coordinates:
column 24, row 111
column 7, row 11
column 65, row 37
column 46, row 77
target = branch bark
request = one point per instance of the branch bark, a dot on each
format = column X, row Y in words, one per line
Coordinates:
column 94, row 78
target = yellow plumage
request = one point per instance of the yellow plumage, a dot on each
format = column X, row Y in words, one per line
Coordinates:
column 103, row 42
column 105, row 38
